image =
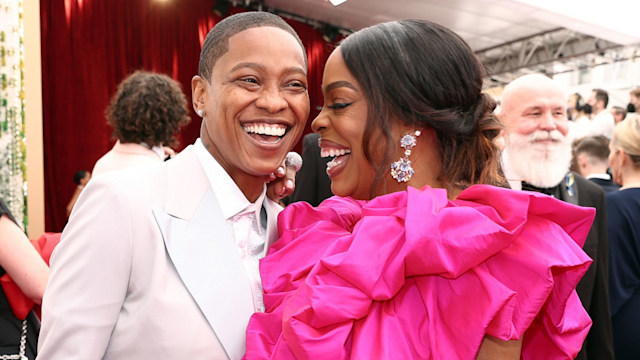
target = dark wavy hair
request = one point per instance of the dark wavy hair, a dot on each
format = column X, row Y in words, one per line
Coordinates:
column 425, row 75
column 148, row 107
column 216, row 43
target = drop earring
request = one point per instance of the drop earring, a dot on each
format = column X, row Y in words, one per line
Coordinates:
column 401, row 170
column 200, row 112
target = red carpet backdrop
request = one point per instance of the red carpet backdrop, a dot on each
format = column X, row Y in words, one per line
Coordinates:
column 89, row 46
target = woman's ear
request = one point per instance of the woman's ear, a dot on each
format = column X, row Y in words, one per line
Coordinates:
column 198, row 93
column 624, row 157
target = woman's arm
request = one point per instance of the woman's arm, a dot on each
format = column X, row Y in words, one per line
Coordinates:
column 493, row 348
column 74, row 198
column 21, row 260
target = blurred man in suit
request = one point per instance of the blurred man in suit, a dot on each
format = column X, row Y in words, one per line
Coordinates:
column 592, row 161
column 312, row 182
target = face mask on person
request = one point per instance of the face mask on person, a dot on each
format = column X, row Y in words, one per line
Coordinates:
column 631, row 108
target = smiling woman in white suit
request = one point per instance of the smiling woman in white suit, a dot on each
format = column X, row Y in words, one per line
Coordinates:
column 161, row 262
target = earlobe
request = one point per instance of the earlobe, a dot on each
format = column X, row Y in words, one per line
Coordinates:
column 198, row 92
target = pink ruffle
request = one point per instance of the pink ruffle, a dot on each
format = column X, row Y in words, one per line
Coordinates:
column 414, row 275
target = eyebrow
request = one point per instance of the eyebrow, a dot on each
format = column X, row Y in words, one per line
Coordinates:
column 264, row 68
column 337, row 84
column 540, row 107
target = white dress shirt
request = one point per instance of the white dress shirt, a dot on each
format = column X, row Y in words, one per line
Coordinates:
column 242, row 217
column 602, row 124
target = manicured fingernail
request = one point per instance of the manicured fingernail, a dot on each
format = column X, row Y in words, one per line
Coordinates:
column 289, row 184
column 280, row 171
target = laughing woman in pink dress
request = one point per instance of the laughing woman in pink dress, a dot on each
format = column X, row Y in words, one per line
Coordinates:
column 421, row 255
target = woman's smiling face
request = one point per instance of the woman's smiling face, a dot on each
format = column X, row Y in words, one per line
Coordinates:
column 341, row 125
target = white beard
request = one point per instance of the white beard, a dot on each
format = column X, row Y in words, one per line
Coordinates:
column 540, row 164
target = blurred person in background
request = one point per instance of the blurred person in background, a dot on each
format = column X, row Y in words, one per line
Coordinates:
column 634, row 100
column 623, row 219
column 146, row 114
column 602, row 122
column 619, row 113
column 592, row 161
column 80, row 178
column 578, row 116
column 23, row 275
column 312, row 182
column 537, row 158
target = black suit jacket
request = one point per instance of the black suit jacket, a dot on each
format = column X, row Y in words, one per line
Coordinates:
column 607, row 185
column 593, row 289
column 312, row 182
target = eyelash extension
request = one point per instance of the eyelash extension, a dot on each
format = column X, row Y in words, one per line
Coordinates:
column 338, row 106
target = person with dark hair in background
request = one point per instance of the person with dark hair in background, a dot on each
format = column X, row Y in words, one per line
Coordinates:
column 602, row 122
column 80, row 178
column 419, row 256
column 578, row 116
column 312, row 182
column 146, row 114
column 161, row 262
column 634, row 101
column 591, row 155
column 623, row 223
column 537, row 158
column 23, row 273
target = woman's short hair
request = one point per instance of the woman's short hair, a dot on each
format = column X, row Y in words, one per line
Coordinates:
column 425, row 75
column 148, row 108
column 626, row 136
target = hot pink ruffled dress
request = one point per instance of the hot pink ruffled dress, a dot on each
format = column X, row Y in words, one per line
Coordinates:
column 412, row 275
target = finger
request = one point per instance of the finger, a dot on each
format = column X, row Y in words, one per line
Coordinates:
column 289, row 181
column 280, row 171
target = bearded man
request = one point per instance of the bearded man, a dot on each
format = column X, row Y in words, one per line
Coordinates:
column 537, row 157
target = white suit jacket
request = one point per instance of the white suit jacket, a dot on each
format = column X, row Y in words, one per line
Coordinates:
column 147, row 269
column 124, row 155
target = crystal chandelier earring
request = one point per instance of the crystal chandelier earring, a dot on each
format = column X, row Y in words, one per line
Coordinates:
column 401, row 170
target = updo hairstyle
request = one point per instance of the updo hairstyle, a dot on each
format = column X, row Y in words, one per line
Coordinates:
column 424, row 75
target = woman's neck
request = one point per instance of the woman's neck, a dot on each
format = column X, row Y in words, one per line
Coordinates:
column 631, row 180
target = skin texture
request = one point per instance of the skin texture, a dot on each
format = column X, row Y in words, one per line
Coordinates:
column 21, row 260
column 624, row 171
column 261, row 79
column 533, row 103
column 341, row 124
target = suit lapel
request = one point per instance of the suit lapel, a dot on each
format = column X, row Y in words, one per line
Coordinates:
column 204, row 253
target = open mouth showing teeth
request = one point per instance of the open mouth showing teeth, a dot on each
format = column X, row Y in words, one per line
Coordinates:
column 339, row 156
column 265, row 132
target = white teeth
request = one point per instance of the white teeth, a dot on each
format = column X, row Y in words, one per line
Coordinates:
column 333, row 152
column 266, row 129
